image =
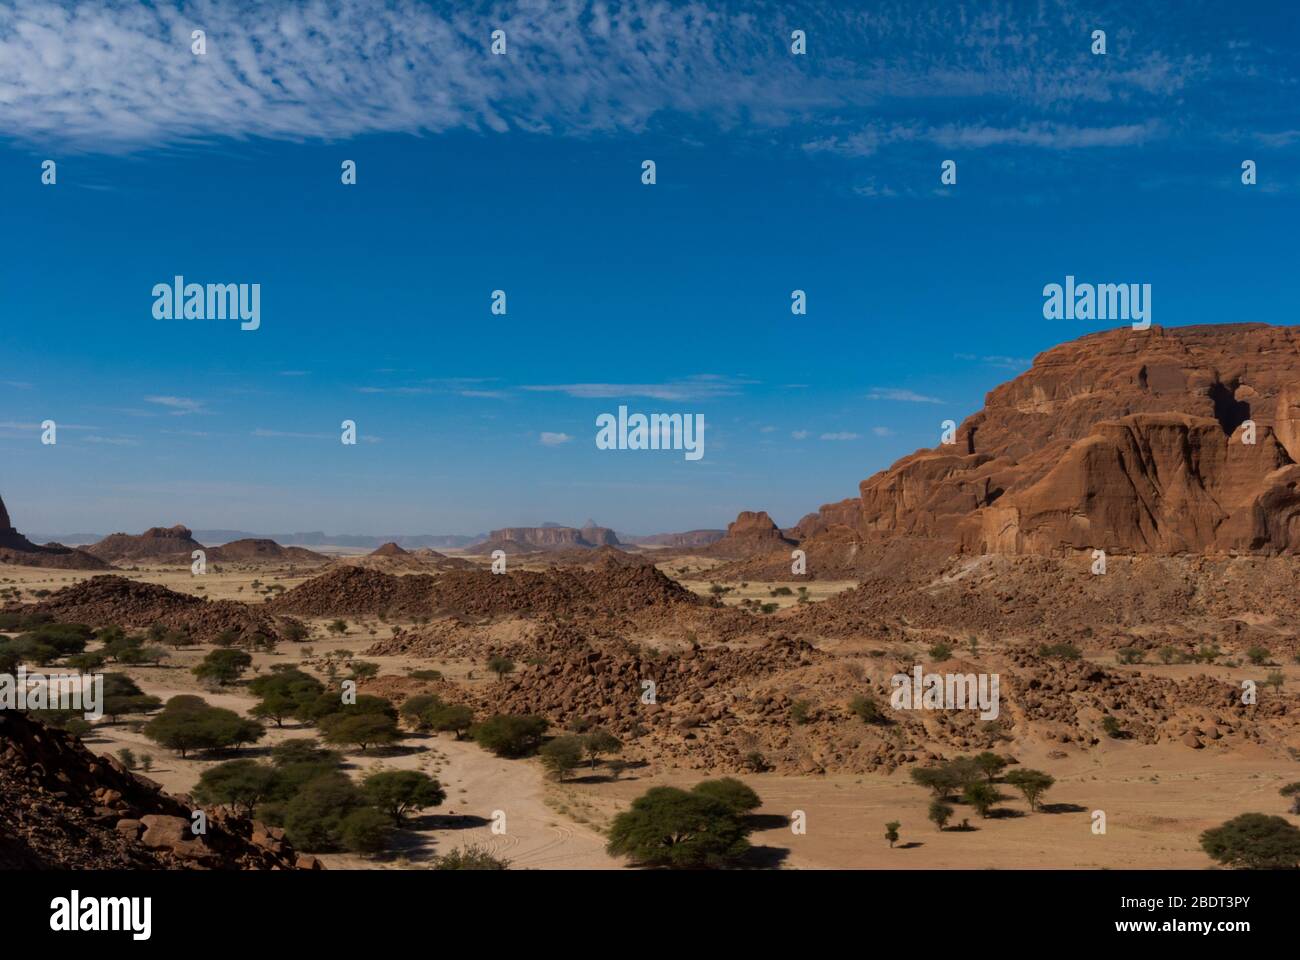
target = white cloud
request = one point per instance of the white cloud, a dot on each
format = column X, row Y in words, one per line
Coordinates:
column 700, row 387
column 114, row 441
column 109, row 74
column 905, row 396
column 799, row 435
column 291, row 435
column 179, row 406
column 15, row 425
column 882, row 431
column 554, row 439
column 997, row 360
column 839, row 436
column 113, row 75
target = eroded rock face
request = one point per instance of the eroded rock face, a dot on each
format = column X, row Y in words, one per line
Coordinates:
column 1129, row 441
column 17, row 549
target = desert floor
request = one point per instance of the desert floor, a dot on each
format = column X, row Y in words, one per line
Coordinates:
column 1156, row 799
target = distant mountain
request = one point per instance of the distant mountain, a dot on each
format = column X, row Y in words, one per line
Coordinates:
column 547, row 537
column 316, row 538
column 690, row 538
column 310, row 539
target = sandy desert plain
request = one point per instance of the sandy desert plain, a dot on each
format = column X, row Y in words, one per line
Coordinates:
column 1157, row 797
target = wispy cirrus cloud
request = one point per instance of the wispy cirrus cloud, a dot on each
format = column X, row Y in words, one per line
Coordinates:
column 900, row 395
column 996, row 360
column 17, row 425
column 178, row 406
column 111, row 75
column 114, row 441
column 974, row 136
column 294, row 435
column 706, row 386
column 548, row 439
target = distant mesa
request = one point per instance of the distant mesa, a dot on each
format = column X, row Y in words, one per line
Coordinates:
column 685, row 540
column 547, row 538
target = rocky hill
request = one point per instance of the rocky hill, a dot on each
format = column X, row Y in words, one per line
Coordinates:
column 63, row 808
column 156, row 545
column 609, row 588
column 113, row 600
column 751, row 534
column 1181, row 440
column 260, row 550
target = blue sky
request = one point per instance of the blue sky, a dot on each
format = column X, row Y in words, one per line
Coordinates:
column 522, row 172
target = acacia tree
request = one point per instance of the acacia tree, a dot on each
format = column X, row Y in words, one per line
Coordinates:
column 940, row 813
column 362, row 730
column 600, row 742
column 1254, row 841
column 223, row 666
column 241, row 784
column 668, row 827
column 400, row 792
column 891, row 832
column 562, row 755
column 990, row 764
column 982, row 796
column 501, row 666
column 1032, row 784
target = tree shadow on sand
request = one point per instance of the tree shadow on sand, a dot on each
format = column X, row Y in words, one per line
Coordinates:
column 766, row 821
column 1061, row 808
column 448, row 821
column 763, row 858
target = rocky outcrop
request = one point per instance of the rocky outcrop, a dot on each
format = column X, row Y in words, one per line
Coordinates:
column 17, row 549
column 751, row 534
column 63, row 808
column 1158, row 441
column 156, row 545
column 113, row 600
